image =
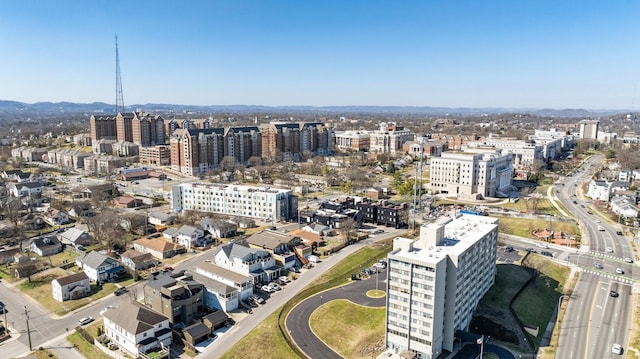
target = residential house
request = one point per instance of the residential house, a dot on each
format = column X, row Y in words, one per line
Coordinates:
column 136, row 260
column 219, row 228
column 25, row 189
column 81, row 209
column 279, row 244
column 176, row 295
column 257, row 263
column 55, row 217
column 240, row 282
column 190, row 236
column 171, row 233
column 45, row 246
column 7, row 256
column 136, row 329
column 600, row 190
column 99, row 267
column 376, row 193
column 127, row 202
column 218, row 295
column 161, row 218
column 70, row 287
column 157, row 247
column 25, row 270
column 215, row 320
column 16, row 175
column 75, row 237
column 624, row 207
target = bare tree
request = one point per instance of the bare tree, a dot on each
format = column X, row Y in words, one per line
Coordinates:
column 348, row 229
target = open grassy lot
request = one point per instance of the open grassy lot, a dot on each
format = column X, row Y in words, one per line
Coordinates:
column 88, row 350
column 39, row 288
column 269, row 335
column 66, row 256
column 523, row 227
column 349, row 328
column 535, row 305
column 264, row 341
column 509, row 280
column 544, row 206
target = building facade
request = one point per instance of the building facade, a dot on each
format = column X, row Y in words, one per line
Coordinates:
column 469, row 175
column 236, row 200
column 435, row 283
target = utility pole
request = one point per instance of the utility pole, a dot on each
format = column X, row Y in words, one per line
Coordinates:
column 26, row 315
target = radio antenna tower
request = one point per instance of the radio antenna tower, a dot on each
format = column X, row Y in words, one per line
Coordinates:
column 119, row 96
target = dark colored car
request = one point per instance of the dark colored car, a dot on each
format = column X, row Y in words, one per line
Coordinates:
column 619, row 233
column 546, row 253
column 614, row 294
column 120, row 291
column 508, row 249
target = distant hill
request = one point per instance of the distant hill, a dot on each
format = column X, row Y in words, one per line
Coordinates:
column 14, row 107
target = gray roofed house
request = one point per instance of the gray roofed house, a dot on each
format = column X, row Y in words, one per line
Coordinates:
column 218, row 295
column 215, row 320
column 161, row 218
column 190, row 236
column 45, row 246
column 170, row 233
column 219, row 228
column 75, row 237
column 257, row 263
column 275, row 242
column 136, row 328
column 25, row 188
column 137, row 260
column 98, row 266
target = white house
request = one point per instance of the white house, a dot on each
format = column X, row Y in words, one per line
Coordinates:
column 624, row 207
column 257, row 263
column 190, row 236
column 242, row 283
column 45, row 246
column 75, row 237
column 24, row 189
column 98, row 266
column 217, row 294
column 600, row 190
column 136, row 329
column 73, row 286
column 161, row 218
column 218, row 228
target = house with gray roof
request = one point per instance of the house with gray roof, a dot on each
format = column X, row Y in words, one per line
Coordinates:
column 24, row 189
column 45, row 246
column 137, row 329
column 99, row 267
column 135, row 260
column 258, row 263
column 190, row 236
column 70, row 287
column 161, row 218
column 279, row 244
column 176, row 295
column 218, row 228
column 75, row 237
column 242, row 283
column 217, row 294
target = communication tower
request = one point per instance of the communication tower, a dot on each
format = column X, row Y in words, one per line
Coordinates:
column 119, row 96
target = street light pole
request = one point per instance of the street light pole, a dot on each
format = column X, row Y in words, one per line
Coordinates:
column 26, row 315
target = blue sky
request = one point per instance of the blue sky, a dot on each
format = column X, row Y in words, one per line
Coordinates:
column 515, row 54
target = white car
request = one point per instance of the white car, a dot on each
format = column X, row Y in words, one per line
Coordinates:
column 609, row 250
column 542, row 245
column 616, row 349
column 628, row 260
column 619, row 271
column 86, row 320
column 106, row 308
column 267, row 289
column 284, row 278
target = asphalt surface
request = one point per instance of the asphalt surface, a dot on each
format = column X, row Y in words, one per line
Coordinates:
column 472, row 351
column 297, row 321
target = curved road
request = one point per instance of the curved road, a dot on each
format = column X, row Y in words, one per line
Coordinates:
column 297, row 321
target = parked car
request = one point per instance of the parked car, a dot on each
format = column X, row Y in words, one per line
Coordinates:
column 543, row 245
column 284, row 278
column 120, row 291
column 267, row 289
column 546, row 253
column 249, row 303
column 86, row 320
column 531, row 250
column 380, row 265
column 274, row 286
column 280, row 282
column 508, row 249
column 378, row 231
column 257, row 299
column 2, row 308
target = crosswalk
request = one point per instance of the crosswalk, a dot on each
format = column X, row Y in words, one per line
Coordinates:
column 624, row 280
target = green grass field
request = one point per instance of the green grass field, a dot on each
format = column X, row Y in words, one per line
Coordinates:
column 523, row 227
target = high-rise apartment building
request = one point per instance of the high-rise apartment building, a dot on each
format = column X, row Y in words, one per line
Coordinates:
column 236, row 200
column 292, row 140
column 242, row 143
column 102, row 127
column 196, row 151
column 435, row 283
column 147, row 130
column 124, row 126
column 588, row 129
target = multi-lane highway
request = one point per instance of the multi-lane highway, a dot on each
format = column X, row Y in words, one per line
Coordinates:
column 595, row 319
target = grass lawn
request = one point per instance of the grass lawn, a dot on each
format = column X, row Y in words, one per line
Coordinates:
column 264, row 341
column 509, row 279
column 40, row 290
column 88, row 350
column 60, row 258
column 44, row 354
column 544, row 206
column 523, row 227
column 535, row 305
column 349, row 328
column 268, row 334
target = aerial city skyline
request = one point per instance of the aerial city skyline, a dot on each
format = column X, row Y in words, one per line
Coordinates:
column 497, row 54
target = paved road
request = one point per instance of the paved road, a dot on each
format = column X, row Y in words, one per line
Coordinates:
column 297, row 321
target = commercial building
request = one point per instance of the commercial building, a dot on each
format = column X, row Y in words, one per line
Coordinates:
column 472, row 175
column 588, row 129
column 389, row 138
column 236, row 200
column 436, row 282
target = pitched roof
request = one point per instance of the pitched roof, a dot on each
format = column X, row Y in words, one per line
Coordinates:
column 71, row 235
column 196, row 330
column 134, row 318
column 73, row 278
column 46, row 242
column 136, row 257
column 214, row 285
column 235, row 250
column 157, row 244
column 94, row 259
column 223, row 272
column 269, row 239
column 216, row 317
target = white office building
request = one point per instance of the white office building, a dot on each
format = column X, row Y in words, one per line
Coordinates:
column 435, row 283
column 236, row 200
column 472, row 175
column 525, row 153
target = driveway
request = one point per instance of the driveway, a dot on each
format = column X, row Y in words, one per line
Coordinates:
column 297, row 321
